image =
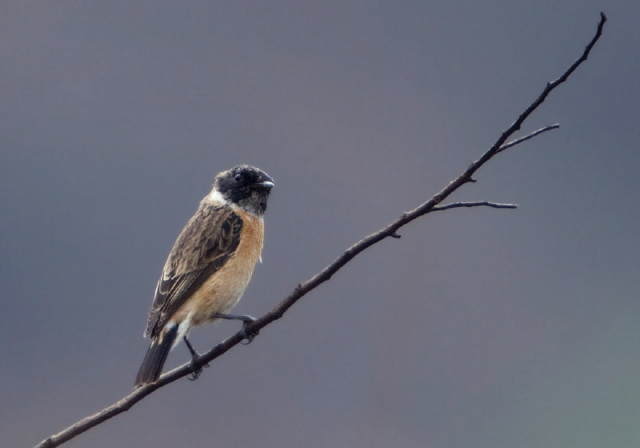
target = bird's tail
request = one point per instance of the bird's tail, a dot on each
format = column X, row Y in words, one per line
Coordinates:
column 155, row 358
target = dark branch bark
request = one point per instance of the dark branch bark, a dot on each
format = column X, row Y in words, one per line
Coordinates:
column 304, row 288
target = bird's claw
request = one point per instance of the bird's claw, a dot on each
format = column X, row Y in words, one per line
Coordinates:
column 195, row 371
column 247, row 335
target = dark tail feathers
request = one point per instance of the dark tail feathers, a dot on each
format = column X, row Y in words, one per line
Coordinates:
column 155, row 358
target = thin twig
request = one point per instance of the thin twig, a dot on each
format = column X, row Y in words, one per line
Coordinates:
column 472, row 204
column 304, row 288
column 527, row 137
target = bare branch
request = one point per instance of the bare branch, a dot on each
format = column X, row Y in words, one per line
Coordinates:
column 527, row 137
column 304, row 288
column 472, row 204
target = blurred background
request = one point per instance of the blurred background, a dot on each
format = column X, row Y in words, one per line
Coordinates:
column 478, row 328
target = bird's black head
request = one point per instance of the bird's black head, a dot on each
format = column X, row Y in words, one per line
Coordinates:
column 246, row 186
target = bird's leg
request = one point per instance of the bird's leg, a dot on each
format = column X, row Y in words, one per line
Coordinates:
column 195, row 371
column 248, row 335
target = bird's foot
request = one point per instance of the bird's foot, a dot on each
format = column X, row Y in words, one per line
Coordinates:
column 247, row 320
column 195, row 369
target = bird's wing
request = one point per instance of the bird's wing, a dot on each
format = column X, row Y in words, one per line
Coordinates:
column 202, row 248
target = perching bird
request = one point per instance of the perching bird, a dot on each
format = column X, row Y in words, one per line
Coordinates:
column 210, row 264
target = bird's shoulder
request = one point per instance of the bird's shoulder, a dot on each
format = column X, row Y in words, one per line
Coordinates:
column 213, row 232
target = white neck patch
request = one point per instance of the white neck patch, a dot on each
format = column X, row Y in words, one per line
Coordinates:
column 216, row 196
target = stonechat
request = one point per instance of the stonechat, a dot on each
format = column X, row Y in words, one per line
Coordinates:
column 210, row 264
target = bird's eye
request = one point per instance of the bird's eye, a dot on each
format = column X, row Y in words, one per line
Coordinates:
column 238, row 177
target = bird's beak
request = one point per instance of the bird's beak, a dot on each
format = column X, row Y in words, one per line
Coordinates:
column 267, row 184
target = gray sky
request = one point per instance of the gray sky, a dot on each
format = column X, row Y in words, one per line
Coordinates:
column 477, row 329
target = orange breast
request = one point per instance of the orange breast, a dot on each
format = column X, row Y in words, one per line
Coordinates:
column 222, row 291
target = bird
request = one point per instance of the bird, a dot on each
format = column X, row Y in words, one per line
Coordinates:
column 209, row 266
